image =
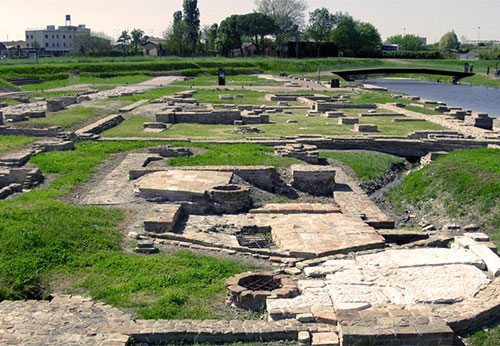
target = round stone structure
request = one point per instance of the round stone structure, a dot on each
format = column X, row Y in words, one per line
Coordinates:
column 250, row 290
column 230, row 198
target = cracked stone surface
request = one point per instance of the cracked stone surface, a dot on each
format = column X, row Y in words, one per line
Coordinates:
column 406, row 277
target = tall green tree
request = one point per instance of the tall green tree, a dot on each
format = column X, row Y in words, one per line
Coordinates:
column 449, row 41
column 209, row 37
column 91, row 45
column 137, row 36
column 192, row 22
column 407, row 42
column 229, row 35
column 353, row 37
column 321, row 25
column 256, row 26
column 124, row 42
column 176, row 36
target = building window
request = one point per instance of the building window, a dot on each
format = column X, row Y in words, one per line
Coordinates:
column 27, row 37
column 57, row 36
column 53, row 44
column 64, row 36
column 64, row 44
column 69, row 36
column 58, row 44
column 31, row 36
column 27, row 45
column 46, row 44
column 52, row 35
column 46, row 36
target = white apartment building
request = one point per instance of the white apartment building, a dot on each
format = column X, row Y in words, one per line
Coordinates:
column 54, row 41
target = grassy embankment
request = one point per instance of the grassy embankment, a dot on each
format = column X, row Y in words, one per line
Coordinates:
column 367, row 166
column 48, row 245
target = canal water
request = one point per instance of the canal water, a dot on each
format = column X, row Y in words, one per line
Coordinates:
column 477, row 98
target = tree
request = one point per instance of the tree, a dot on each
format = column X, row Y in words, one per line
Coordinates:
column 176, row 35
column 91, row 45
column 256, row 26
column 321, row 25
column 229, row 35
column 289, row 15
column 137, row 36
column 407, row 42
column 209, row 37
column 124, row 41
column 449, row 41
column 289, row 12
column 353, row 37
column 192, row 22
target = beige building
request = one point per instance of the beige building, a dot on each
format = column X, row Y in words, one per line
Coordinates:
column 54, row 41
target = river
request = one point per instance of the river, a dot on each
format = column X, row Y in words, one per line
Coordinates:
column 477, row 98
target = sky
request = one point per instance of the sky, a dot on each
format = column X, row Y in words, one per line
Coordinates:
column 426, row 18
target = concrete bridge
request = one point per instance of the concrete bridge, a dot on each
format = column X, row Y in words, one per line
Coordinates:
column 349, row 74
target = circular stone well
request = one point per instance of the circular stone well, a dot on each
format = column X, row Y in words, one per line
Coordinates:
column 231, row 198
column 250, row 290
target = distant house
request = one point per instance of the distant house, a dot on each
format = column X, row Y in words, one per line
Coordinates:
column 154, row 47
column 3, row 50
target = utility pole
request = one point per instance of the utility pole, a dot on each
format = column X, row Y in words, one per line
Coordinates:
column 478, row 34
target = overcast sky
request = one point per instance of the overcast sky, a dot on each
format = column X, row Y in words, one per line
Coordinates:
column 427, row 18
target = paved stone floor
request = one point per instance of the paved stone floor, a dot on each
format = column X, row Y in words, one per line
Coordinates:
column 299, row 235
column 405, row 277
column 181, row 185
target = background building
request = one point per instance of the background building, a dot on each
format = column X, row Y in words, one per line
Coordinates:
column 54, row 41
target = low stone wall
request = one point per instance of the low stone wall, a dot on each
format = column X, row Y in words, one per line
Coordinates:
column 315, row 180
column 210, row 117
column 9, row 190
column 47, row 132
column 365, row 128
column 264, row 177
column 480, row 120
column 58, row 103
column 100, row 125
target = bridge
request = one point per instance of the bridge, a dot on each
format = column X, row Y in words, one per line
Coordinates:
column 349, row 74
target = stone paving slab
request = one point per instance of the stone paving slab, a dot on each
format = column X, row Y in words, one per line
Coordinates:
column 116, row 188
column 162, row 218
column 181, row 185
column 296, row 208
column 351, row 198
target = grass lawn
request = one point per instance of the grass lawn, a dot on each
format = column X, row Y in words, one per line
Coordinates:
column 427, row 111
column 68, row 118
column 14, row 142
column 234, row 155
column 317, row 125
column 132, row 79
column 45, row 242
column 367, row 166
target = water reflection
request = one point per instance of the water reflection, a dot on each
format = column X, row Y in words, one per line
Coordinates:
column 477, row 98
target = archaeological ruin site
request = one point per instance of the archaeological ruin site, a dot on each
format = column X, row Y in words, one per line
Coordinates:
column 324, row 260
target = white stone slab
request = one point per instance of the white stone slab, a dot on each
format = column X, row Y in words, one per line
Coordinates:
column 492, row 261
column 420, row 258
column 309, row 298
column 329, row 267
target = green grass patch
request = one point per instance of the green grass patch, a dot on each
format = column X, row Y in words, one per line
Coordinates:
column 68, row 118
column 367, row 166
column 317, row 125
column 7, row 86
column 45, row 243
column 14, row 142
column 234, row 155
column 423, row 110
column 467, row 183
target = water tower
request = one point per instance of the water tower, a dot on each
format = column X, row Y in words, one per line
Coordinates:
column 68, row 20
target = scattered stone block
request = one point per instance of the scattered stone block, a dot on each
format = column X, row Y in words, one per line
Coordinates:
column 162, row 218
column 170, row 151
column 472, row 228
column 315, row 180
column 352, row 306
column 348, row 121
column 291, row 121
column 304, row 152
column 247, row 130
column 325, row 339
column 304, row 318
column 304, row 338
column 480, row 120
column 365, row 128
column 154, row 125
column 477, row 236
column 491, row 260
column 333, row 115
